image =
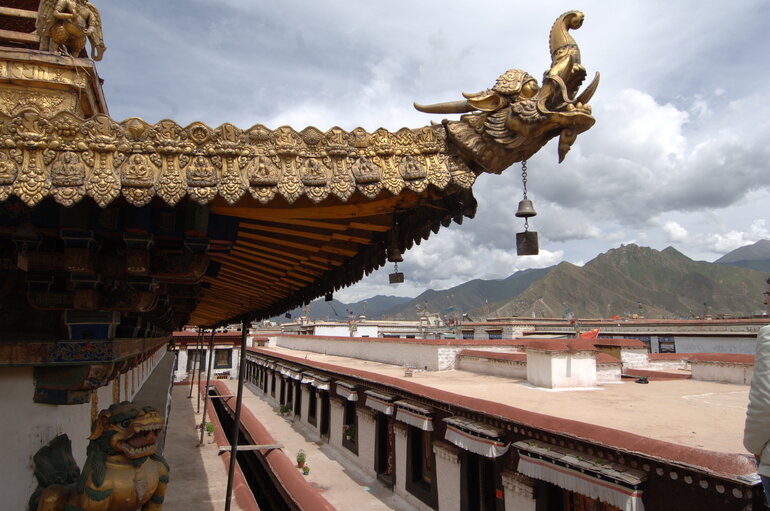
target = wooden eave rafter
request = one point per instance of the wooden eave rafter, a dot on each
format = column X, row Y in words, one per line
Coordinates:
column 301, row 214
column 278, row 258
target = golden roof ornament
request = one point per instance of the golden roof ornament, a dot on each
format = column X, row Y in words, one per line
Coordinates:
column 66, row 157
column 511, row 121
column 64, row 26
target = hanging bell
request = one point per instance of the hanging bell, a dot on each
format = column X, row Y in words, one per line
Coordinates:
column 328, row 297
column 526, row 243
column 526, row 209
column 394, row 255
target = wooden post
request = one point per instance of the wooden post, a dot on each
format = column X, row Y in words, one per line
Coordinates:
column 237, row 422
column 208, row 380
column 198, row 347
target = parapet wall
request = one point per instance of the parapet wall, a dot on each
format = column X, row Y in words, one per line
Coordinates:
column 427, row 354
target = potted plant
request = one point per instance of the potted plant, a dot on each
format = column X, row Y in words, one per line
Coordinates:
column 301, row 459
column 350, row 432
column 305, row 470
column 284, row 409
column 210, row 428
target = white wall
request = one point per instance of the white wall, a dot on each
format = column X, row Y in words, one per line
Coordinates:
column 561, row 369
column 608, row 373
column 366, row 440
column 667, row 365
column 493, row 367
column 448, row 476
column 389, row 352
column 575, row 370
column 539, row 369
column 344, row 330
column 635, row 358
column 336, row 411
column 432, row 357
column 721, row 372
column 400, row 459
column 519, row 492
column 305, row 405
column 29, row 425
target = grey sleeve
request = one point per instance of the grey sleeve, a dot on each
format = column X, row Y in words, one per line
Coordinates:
column 757, row 431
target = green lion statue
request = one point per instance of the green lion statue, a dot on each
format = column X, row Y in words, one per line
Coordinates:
column 122, row 471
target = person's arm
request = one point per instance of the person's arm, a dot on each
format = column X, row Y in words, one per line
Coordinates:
column 757, row 431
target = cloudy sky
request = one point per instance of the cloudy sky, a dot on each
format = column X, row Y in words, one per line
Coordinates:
column 679, row 154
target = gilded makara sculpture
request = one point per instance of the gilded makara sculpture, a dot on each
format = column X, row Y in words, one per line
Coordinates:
column 65, row 25
column 511, row 121
column 67, row 158
column 122, row 471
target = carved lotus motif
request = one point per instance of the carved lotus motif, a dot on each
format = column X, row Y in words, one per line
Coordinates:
column 311, row 135
column 199, row 132
column 259, row 134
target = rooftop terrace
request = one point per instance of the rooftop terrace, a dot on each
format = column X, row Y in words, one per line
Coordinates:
column 698, row 414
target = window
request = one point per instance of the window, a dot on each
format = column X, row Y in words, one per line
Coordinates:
column 192, row 360
column 577, row 502
column 419, row 469
column 223, row 358
column 495, row 334
column 481, row 482
column 350, row 427
column 666, row 344
column 468, row 334
column 312, row 405
column 289, row 393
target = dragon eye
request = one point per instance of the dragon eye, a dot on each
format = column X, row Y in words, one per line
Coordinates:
column 126, row 423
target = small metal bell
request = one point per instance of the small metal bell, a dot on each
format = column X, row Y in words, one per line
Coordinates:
column 328, row 297
column 394, row 255
column 526, row 243
column 526, row 209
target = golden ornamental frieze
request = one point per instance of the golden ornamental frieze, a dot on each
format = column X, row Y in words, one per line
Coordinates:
column 67, row 158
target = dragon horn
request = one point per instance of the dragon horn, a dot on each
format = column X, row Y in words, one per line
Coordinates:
column 450, row 107
column 587, row 94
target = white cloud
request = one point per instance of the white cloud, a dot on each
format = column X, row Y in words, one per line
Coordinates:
column 678, row 154
column 675, row 232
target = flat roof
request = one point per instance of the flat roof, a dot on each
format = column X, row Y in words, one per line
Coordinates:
column 698, row 414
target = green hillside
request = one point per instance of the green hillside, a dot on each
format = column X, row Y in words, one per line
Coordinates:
column 633, row 279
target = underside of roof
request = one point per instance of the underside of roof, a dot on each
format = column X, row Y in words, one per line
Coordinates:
column 212, row 226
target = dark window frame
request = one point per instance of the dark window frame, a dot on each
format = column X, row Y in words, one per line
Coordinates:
column 350, row 420
column 312, row 405
column 419, row 445
column 229, row 354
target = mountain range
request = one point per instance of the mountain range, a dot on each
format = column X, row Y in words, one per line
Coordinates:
column 622, row 281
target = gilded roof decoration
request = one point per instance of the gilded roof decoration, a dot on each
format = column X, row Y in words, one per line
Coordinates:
column 68, row 158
